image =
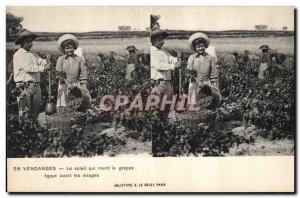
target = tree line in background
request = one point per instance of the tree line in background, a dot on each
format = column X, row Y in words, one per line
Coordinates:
column 13, row 25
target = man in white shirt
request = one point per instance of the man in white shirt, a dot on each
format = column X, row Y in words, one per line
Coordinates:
column 162, row 63
column 27, row 67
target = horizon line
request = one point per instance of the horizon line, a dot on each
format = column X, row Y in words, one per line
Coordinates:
column 95, row 31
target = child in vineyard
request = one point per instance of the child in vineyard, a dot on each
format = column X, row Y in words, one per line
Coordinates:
column 203, row 64
column 71, row 68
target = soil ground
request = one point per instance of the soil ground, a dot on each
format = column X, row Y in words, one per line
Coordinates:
column 260, row 147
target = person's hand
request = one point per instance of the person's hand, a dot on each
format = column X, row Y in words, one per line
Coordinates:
column 215, row 85
column 47, row 67
column 178, row 64
column 200, row 83
column 206, row 82
column 193, row 79
column 48, row 57
column 179, row 55
column 70, row 85
column 84, row 87
column 62, row 80
column 24, row 93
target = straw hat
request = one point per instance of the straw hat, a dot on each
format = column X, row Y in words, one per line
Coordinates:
column 64, row 38
column 131, row 48
column 197, row 36
column 25, row 34
column 235, row 52
column 264, row 47
column 158, row 32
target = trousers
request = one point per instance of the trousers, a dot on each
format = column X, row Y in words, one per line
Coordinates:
column 162, row 88
column 29, row 99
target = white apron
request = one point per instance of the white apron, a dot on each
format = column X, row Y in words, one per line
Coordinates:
column 262, row 69
column 193, row 93
column 62, row 95
column 129, row 70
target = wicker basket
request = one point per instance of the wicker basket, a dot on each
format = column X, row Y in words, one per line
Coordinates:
column 64, row 122
column 192, row 120
column 216, row 96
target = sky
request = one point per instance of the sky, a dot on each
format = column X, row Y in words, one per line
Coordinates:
column 224, row 18
column 83, row 19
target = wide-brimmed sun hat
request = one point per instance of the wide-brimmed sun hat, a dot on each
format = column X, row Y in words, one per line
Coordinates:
column 264, row 47
column 23, row 34
column 131, row 48
column 234, row 52
column 64, row 38
column 196, row 36
column 159, row 32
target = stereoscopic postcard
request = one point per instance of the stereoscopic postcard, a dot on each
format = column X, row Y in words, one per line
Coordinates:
column 150, row 99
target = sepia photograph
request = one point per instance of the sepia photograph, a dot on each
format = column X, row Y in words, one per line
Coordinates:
column 65, row 69
column 230, row 75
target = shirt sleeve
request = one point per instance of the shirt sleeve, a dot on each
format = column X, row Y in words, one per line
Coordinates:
column 83, row 77
column 41, row 61
column 172, row 59
column 59, row 64
column 160, row 61
column 214, row 75
column 24, row 62
column 190, row 63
